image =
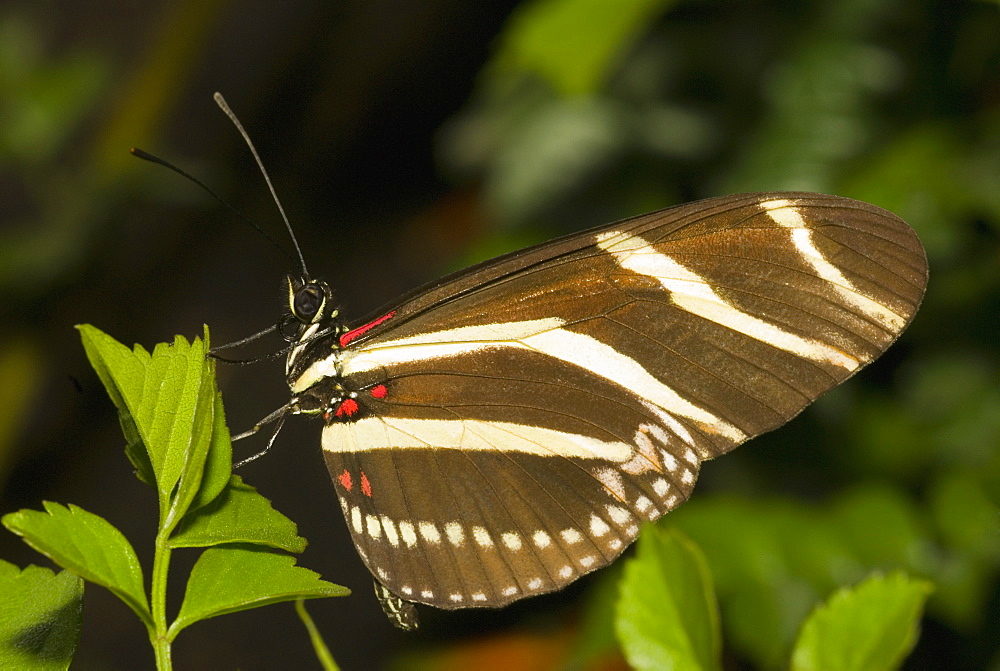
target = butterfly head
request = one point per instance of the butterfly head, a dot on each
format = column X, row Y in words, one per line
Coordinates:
column 310, row 301
column 312, row 315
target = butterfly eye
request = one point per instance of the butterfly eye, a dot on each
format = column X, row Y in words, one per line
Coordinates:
column 308, row 303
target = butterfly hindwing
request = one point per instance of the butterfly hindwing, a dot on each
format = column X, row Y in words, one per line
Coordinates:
column 485, row 528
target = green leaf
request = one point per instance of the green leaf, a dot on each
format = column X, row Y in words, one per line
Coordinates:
column 40, row 617
column 231, row 578
column 219, row 462
column 870, row 627
column 202, row 429
column 168, row 400
column 121, row 371
column 171, row 408
column 238, row 515
column 667, row 617
column 574, row 44
column 87, row 545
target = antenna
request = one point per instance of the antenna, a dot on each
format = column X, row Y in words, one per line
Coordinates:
column 146, row 156
column 224, row 106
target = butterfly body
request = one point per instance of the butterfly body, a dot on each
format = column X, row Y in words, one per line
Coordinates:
column 509, row 428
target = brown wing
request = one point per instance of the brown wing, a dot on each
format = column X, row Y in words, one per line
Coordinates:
column 519, row 420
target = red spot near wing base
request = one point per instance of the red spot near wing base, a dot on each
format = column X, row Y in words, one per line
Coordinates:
column 351, row 335
column 379, row 391
column 366, row 487
column 345, row 480
column 346, row 408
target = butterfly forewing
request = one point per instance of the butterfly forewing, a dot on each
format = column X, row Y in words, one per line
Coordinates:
column 509, row 428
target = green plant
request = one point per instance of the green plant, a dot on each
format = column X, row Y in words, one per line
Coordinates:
column 176, row 438
column 666, row 615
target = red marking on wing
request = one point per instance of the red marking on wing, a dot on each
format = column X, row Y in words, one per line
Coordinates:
column 379, row 391
column 366, row 487
column 351, row 335
column 347, row 407
column 345, row 480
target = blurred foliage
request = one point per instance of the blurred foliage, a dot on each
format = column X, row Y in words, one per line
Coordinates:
column 43, row 104
column 588, row 111
column 572, row 45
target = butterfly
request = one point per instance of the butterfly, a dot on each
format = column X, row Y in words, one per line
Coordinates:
column 509, row 428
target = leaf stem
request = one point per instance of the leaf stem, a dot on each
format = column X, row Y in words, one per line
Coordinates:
column 159, row 636
column 319, row 645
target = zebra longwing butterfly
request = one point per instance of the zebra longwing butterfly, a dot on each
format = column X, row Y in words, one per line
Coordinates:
column 501, row 432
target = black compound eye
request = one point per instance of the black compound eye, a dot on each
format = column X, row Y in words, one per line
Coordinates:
column 308, row 302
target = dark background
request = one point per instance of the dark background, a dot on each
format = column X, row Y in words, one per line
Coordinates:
column 407, row 139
